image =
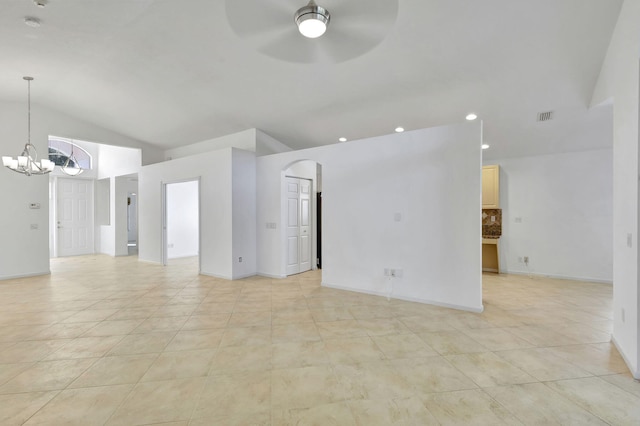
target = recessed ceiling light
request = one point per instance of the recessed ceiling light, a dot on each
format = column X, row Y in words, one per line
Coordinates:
column 399, row 129
column 485, row 146
column 342, row 139
column 32, row 22
column 471, row 117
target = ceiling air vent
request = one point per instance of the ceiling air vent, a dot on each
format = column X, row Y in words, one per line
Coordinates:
column 545, row 116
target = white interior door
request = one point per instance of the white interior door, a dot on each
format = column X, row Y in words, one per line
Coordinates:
column 75, row 217
column 298, row 225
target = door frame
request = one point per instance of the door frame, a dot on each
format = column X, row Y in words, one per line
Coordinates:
column 164, row 238
column 130, row 196
column 54, row 212
column 312, row 222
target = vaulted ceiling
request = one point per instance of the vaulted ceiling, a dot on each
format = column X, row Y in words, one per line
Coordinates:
column 172, row 73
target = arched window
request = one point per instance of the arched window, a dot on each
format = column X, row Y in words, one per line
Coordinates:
column 60, row 150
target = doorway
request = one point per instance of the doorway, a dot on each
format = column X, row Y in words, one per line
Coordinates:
column 298, row 225
column 74, row 217
column 181, row 224
column 132, row 223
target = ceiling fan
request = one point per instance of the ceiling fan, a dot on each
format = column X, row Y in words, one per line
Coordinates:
column 353, row 28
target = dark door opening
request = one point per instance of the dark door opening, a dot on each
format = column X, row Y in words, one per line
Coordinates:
column 319, row 230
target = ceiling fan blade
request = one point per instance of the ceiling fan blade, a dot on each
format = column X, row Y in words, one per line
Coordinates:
column 257, row 17
column 356, row 27
column 344, row 44
column 290, row 47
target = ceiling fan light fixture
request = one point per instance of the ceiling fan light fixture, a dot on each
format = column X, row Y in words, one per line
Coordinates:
column 312, row 20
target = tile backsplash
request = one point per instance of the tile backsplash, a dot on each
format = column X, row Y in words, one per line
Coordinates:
column 491, row 229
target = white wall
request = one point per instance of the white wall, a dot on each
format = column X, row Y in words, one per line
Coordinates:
column 266, row 145
column 102, row 190
column 245, row 140
column 619, row 80
column 24, row 251
column 244, row 213
column 113, row 238
column 217, row 190
column 182, row 219
column 106, row 241
column 118, row 161
column 214, row 170
column 564, row 203
column 253, row 140
column 430, row 177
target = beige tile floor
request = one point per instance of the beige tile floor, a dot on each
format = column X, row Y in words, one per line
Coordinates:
column 106, row 341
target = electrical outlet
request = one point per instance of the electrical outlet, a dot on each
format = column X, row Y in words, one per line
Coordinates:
column 526, row 260
column 240, row 259
column 169, row 245
column 520, row 259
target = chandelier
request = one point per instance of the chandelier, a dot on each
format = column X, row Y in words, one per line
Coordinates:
column 27, row 163
column 71, row 166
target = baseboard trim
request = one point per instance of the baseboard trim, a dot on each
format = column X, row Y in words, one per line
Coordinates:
column 559, row 277
column 241, row 276
column 262, row 274
column 208, row 274
column 635, row 374
column 183, row 257
column 408, row 299
column 152, row 262
column 15, row 277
